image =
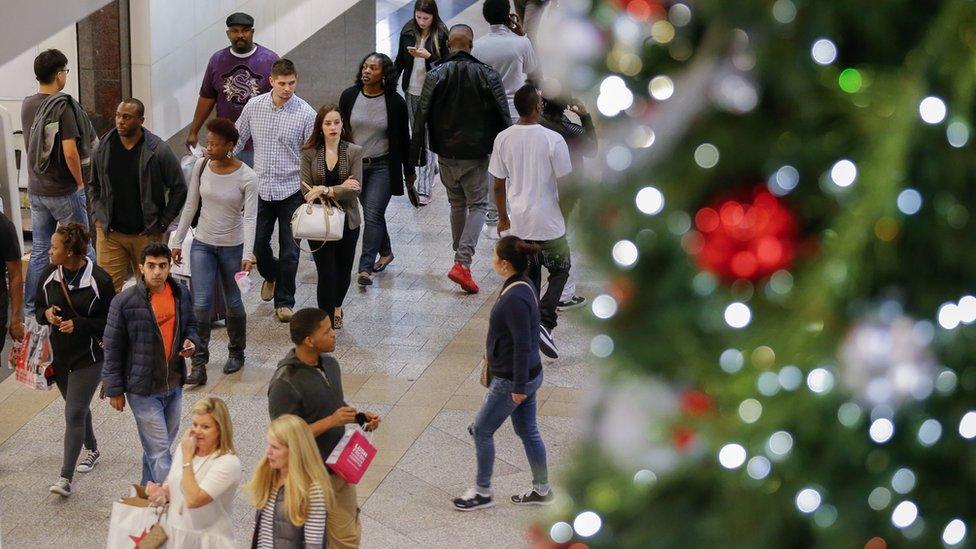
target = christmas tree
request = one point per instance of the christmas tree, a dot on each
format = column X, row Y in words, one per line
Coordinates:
column 783, row 219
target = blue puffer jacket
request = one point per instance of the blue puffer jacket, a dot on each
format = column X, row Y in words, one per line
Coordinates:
column 134, row 352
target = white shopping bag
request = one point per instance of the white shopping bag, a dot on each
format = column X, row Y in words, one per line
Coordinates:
column 183, row 269
column 132, row 524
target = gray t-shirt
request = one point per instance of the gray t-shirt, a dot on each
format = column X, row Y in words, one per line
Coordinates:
column 58, row 181
column 369, row 125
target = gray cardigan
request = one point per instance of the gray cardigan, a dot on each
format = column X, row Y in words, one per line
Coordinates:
column 313, row 162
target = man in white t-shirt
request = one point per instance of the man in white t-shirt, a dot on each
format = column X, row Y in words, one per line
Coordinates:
column 533, row 159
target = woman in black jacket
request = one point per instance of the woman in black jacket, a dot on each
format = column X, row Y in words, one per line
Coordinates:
column 515, row 370
column 377, row 117
column 423, row 42
column 73, row 297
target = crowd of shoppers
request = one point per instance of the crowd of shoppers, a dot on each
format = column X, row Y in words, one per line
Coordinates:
column 472, row 114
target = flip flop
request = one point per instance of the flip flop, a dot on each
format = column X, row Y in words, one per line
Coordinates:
column 380, row 267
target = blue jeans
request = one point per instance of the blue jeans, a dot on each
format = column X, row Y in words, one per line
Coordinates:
column 375, row 197
column 206, row 262
column 496, row 408
column 158, row 421
column 280, row 270
column 46, row 213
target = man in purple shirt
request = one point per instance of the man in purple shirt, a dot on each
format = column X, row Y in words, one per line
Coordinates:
column 234, row 75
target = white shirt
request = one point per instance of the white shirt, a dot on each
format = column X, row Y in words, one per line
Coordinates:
column 210, row 526
column 531, row 158
column 417, row 76
column 511, row 55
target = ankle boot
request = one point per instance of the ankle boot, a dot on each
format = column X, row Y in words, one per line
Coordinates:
column 237, row 336
column 198, row 376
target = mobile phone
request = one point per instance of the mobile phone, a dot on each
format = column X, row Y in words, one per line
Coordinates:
column 411, row 48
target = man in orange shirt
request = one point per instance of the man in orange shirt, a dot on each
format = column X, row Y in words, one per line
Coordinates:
column 150, row 331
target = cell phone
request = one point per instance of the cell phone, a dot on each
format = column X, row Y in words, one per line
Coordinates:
column 411, row 48
column 187, row 348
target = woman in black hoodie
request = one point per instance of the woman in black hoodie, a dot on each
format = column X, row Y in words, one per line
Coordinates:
column 515, row 371
column 73, row 297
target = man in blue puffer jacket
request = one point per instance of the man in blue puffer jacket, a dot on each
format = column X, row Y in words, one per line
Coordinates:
column 150, row 331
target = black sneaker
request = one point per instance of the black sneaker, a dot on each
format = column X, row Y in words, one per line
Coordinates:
column 547, row 344
column 364, row 279
column 62, row 487
column 88, row 462
column 534, row 498
column 574, row 302
column 472, row 501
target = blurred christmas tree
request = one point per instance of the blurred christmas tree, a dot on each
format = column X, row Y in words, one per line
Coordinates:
column 784, row 220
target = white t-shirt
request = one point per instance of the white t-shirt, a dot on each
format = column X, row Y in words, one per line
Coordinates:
column 210, row 526
column 417, row 75
column 511, row 55
column 531, row 158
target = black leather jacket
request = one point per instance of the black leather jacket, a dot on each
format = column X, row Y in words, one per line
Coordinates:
column 463, row 107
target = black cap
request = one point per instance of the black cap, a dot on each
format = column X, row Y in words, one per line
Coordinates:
column 241, row 19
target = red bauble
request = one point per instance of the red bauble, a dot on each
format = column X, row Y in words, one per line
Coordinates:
column 643, row 10
column 696, row 403
column 682, row 438
column 749, row 238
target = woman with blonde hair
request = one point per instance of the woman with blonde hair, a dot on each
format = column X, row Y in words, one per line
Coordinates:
column 290, row 489
column 200, row 488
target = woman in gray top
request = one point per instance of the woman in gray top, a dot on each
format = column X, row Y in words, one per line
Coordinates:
column 332, row 168
column 220, row 188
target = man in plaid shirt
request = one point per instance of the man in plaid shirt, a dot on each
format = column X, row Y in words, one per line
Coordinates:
column 278, row 122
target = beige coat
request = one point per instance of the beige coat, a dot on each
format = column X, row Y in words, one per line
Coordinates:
column 313, row 160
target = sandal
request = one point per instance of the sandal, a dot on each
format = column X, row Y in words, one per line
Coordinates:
column 380, row 265
column 337, row 319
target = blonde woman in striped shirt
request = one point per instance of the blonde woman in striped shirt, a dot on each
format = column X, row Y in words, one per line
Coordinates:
column 290, row 489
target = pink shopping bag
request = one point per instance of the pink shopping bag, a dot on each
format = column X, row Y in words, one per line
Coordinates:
column 352, row 456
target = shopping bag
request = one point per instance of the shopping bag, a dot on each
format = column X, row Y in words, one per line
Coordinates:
column 183, row 269
column 136, row 525
column 352, row 456
column 31, row 359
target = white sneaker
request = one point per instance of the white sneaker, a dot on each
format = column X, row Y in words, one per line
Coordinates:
column 62, row 487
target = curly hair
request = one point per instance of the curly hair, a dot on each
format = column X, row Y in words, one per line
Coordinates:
column 75, row 237
column 386, row 68
column 225, row 128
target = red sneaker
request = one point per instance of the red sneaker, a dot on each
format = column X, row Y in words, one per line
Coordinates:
column 461, row 275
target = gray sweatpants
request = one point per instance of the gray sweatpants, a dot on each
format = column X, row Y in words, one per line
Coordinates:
column 77, row 389
column 466, row 182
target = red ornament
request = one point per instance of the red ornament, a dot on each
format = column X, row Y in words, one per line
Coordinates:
column 682, row 438
column 696, row 403
column 750, row 239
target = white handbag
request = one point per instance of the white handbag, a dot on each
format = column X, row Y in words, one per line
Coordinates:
column 323, row 221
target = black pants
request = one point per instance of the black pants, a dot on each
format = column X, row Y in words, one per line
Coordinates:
column 282, row 269
column 77, row 388
column 333, row 264
column 555, row 258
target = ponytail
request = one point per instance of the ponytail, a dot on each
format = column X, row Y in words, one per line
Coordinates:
column 517, row 252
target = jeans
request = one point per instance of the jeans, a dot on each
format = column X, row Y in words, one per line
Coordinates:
column 555, row 258
column 46, row 213
column 466, row 182
column 280, row 270
column 158, row 421
column 77, row 389
column 333, row 265
column 375, row 197
column 206, row 263
column 496, row 408
column 425, row 174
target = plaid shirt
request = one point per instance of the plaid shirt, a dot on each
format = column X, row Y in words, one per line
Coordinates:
column 278, row 135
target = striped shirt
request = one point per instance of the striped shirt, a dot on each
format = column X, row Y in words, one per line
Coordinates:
column 314, row 529
column 278, row 135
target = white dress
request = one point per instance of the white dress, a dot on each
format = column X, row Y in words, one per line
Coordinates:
column 207, row 527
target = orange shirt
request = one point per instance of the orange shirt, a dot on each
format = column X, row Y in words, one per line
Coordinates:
column 164, row 307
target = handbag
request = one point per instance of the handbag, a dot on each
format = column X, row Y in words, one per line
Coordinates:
column 323, row 220
column 485, row 370
column 134, row 521
column 32, row 358
column 352, row 455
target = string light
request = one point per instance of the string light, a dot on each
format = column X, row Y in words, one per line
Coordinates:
column 625, row 253
column 881, row 430
column 604, row 306
column 732, row 456
column 932, row 110
column 808, row 500
column 738, row 315
column 650, row 201
column 561, row 532
column 587, row 524
column 954, row 533
column 904, row 514
column 967, row 425
column 823, row 51
column 843, row 173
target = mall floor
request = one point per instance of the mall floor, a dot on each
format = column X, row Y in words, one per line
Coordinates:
column 409, row 351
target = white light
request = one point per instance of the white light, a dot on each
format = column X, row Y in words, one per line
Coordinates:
column 732, row 456
column 808, row 500
column 881, row 430
column 614, row 96
column 679, row 15
column 930, row 432
column 738, row 315
column 604, row 306
column 967, row 425
column 784, row 180
column 949, row 316
column 790, row 377
column 731, row 361
column 587, row 523
column 759, row 467
column 601, row 346
column 904, row 514
column 903, row 481
column 767, row 383
column 619, row 158
column 879, row 498
column 843, row 173
column 820, row 380
column 967, row 309
column 661, row 87
column 958, row 134
column 644, row 477
column 625, row 253
column 561, row 532
column 779, row 444
column 909, row 202
column 932, row 110
column 823, row 51
column 784, row 11
column 750, row 410
column 649, row 201
column 954, row 532
column 706, row 155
